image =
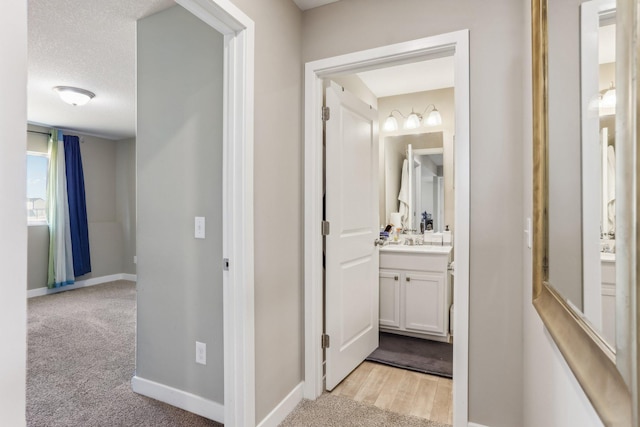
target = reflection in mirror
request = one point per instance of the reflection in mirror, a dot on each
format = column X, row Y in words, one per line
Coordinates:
column 565, row 210
column 597, row 57
column 598, row 164
column 581, row 207
column 428, row 193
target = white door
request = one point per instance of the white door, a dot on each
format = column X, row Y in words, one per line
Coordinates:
column 351, row 257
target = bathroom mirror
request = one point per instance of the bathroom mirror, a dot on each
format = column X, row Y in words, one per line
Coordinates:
column 559, row 270
column 429, row 184
column 598, row 107
column 581, row 129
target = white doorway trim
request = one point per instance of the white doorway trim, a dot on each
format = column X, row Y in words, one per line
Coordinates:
column 457, row 45
column 237, row 216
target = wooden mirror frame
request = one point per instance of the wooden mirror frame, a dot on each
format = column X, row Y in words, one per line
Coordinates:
column 589, row 357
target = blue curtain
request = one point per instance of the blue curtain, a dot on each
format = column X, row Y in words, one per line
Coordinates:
column 77, row 206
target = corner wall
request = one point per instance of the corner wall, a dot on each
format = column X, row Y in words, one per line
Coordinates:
column 179, row 177
column 125, row 203
column 13, row 214
column 278, row 200
column 496, row 39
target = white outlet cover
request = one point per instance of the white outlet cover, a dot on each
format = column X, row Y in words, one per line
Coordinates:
column 201, row 353
column 199, row 227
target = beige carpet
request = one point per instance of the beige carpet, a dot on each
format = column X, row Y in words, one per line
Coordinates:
column 81, row 347
column 337, row 411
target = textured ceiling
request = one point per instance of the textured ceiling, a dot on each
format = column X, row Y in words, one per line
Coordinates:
column 88, row 44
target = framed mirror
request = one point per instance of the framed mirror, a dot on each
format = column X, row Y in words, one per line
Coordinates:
column 429, row 179
column 584, row 179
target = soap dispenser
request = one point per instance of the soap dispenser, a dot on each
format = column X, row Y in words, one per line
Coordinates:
column 447, row 238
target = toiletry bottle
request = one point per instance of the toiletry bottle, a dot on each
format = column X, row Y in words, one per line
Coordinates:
column 447, row 238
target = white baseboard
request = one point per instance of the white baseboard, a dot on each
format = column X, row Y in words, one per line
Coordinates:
column 477, row 425
column 284, row 408
column 179, row 398
column 81, row 284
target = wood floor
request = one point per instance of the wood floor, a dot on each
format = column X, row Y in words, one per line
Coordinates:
column 401, row 391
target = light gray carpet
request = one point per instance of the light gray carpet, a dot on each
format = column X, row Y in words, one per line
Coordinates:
column 338, row 411
column 81, row 347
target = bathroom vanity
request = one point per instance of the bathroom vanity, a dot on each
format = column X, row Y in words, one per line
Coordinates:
column 608, row 262
column 415, row 291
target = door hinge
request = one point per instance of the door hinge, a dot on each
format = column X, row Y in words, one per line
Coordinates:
column 326, row 229
column 225, row 264
column 326, row 114
column 325, row 341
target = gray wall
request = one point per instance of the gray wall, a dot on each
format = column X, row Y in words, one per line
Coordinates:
column 565, row 201
column 126, row 200
column 179, row 165
column 496, row 40
column 278, row 200
column 13, row 224
column 109, row 174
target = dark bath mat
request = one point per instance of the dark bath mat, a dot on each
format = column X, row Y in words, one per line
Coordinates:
column 415, row 354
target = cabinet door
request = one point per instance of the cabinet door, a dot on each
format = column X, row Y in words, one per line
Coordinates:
column 390, row 298
column 424, row 302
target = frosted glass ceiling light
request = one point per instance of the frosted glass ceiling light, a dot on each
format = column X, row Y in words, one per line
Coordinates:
column 74, row 95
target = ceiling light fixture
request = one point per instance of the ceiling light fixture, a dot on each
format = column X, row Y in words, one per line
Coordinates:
column 74, row 95
column 413, row 120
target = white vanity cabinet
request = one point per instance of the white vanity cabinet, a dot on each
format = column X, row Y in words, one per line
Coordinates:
column 608, row 270
column 415, row 291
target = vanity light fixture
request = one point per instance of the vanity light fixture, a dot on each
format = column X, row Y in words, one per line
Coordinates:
column 73, row 95
column 413, row 120
column 608, row 99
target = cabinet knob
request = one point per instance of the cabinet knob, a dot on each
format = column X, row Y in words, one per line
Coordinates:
column 408, row 279
column 395, row 277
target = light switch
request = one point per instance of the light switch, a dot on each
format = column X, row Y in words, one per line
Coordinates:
column 529, row 233
column 199, row 232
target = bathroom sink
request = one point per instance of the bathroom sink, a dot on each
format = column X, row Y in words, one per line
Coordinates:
column 427, row 249
column 607, row 256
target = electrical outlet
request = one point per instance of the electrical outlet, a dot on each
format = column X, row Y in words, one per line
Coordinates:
column 199, row 225
column 201, row 353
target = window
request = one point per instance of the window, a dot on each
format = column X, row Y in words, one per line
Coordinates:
column 37, row 167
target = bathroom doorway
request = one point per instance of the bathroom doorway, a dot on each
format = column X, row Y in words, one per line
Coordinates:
column 457, row 48
column 414, row 259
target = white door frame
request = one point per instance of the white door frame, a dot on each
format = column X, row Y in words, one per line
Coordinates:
column 237, row 206
column 456, row 43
